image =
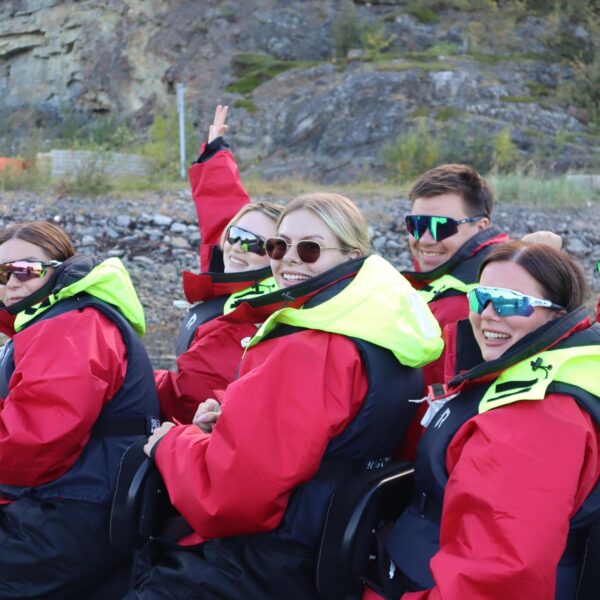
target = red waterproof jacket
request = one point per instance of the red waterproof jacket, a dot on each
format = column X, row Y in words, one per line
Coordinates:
column 209, row 365
column 45, row 422
column 448, row 304
column 218, row 194
column 211, row 361
column 294, row 394
column 66, row 369
column 516, row 476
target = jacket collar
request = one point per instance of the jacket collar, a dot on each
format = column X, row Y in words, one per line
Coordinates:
column 204, row 286
column 472, row 368
column 491, row 235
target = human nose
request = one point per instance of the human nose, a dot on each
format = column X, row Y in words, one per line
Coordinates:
column 12, row 282
column 489, row 312
column 291, row 254
column 427, row 237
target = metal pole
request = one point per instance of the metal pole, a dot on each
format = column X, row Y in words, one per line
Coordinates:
column 181, row 109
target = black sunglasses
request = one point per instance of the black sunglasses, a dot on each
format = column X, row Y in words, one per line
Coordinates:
column 250, row 242
column 439, row 227
column 308, row 251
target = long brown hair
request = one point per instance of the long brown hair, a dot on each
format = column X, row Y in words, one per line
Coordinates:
column 47, row 236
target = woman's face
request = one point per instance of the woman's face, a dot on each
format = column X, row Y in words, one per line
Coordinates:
column 235, row 258
column 494, row 334
column 15, row 249
column 303, row 224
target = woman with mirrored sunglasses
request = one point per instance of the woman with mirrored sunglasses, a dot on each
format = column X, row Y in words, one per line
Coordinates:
column 76, row 388
column 507, row 470
column 234, row 267
column 321, row 393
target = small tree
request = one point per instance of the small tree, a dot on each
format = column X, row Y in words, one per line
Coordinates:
column 412, row 153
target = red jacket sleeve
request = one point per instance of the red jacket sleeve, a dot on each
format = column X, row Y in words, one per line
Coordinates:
column 218, row 195
column 517, row 475
column 66, row 369
column 277, row 420
column 210, row 364
column 447, row 311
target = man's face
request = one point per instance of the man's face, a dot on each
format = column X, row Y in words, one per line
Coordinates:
column 430, row 254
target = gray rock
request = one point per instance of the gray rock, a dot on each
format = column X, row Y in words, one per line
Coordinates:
column 123, row 220
column 88, row 240
column 177, row 227
column 162, row 220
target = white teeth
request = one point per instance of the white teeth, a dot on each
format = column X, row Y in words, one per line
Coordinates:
column 494, row 335
column 292, row 277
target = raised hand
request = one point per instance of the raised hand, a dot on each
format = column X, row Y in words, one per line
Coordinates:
column 218, row 127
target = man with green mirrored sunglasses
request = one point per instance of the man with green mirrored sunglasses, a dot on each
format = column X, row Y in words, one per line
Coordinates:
column 449, row 234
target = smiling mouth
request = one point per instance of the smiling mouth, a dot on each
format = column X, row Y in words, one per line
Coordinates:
column 294, row 277
column 236, row 261
column 495, row 335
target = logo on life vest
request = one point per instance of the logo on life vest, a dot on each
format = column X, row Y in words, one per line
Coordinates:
column 191, row 321
column 442, row 418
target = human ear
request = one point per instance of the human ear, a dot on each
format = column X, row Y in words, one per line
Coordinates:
column 483, row 224
column 352, row 254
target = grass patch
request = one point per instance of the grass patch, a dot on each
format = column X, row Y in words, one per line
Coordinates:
column 539, row 90
column 408, row 65
column 519, row 99
column 423, row 14
column 253, row 69
column 492, row 59
column 447, row 113
column 246, row 104
column 540, row 191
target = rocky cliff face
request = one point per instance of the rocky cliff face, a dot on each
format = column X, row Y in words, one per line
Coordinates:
column 322, row 120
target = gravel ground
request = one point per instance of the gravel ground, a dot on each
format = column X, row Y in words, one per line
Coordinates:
column 156, row 236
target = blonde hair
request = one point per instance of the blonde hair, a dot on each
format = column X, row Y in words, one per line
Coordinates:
column 340, row 214
column 269, row 209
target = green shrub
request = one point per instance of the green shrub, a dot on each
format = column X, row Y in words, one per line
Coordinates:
column 582, row 54
column 162, row 145
column 504, row 154
column 412, row 153
column 350, row 32
column 347, row 31
column 454, row 141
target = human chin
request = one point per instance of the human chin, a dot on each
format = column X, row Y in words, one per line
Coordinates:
column 429, row 258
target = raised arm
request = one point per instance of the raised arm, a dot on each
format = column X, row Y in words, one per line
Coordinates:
column 216, row 187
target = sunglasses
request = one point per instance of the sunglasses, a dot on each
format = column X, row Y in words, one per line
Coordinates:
column 439, row 227
column 24, row 270
column 506, row 303
column 308, row 251
column 249, row 241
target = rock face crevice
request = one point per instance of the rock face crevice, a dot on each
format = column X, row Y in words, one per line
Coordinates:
column 323, row 119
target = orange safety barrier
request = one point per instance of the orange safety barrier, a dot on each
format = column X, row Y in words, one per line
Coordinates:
column 12, row 164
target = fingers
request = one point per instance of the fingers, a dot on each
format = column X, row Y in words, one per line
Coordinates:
column 206, row 421
column 544, row 237
column 218, row 127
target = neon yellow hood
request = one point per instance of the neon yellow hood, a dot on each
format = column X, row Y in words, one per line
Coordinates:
column 110, row 282
column 378, row 306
